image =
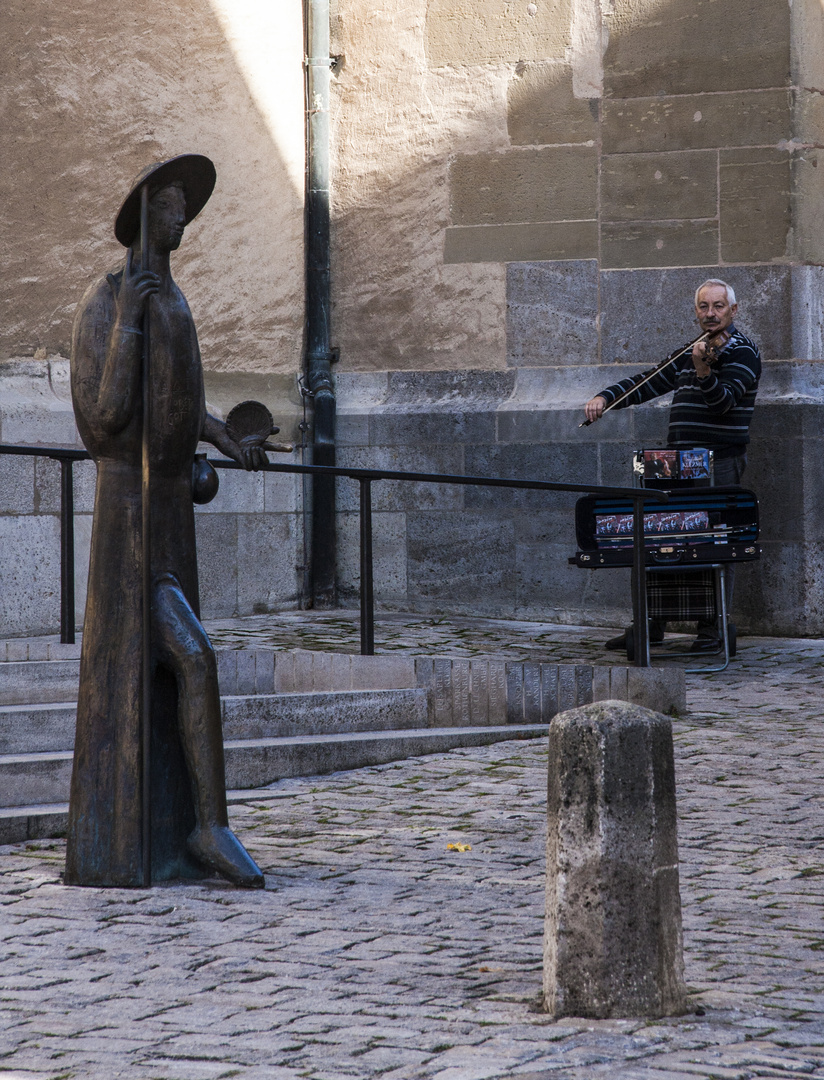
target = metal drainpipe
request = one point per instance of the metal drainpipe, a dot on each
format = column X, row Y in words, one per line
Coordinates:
column 319, row 354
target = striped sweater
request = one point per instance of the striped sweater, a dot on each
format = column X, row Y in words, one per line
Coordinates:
column 714, row 412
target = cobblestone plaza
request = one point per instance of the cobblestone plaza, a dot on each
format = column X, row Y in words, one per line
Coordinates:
column 378, row 951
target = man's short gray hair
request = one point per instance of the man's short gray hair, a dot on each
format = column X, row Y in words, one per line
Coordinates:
column 716, row 281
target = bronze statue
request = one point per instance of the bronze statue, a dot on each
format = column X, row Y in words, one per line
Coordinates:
column 149, row 746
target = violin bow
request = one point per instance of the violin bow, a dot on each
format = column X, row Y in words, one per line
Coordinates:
column 664, row 363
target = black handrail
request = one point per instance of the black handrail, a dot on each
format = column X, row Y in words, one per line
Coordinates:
column 68, row 455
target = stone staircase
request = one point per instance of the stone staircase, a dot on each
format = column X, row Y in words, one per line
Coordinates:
column 301, row 713
column 284, row 714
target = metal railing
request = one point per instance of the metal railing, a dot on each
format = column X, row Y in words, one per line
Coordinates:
column 366, row 477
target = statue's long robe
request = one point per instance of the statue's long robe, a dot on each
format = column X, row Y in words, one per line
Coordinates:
column 105, row 811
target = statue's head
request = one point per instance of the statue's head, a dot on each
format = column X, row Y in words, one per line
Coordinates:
column 186, row 181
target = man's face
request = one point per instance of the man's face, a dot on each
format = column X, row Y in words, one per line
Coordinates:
column 713, row 309
column 167, row 218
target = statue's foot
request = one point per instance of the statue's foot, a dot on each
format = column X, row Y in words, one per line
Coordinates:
column 217, row 848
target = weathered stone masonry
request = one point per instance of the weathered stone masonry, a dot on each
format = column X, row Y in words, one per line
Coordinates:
column 525, row 194
column 624, row 152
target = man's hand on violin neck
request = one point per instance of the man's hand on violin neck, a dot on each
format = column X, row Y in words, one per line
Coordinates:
column 700, row 360
column 704, row 352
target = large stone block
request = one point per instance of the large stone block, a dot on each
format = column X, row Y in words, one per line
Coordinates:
column 29, row 574
column 657, row 187
column 540, row 425
column 695, row 121
column 47, row 485
column 808, row 193
column 807, row 313
column 282, row 492
column 552, row 313
column 542, row 109
column 808, row 43
column 613, row 942
column 449, row 388
column 82, row 553
column 17, row 488
column 660, row 303
column 217, row 563
column 431, row 425
column 545, row 581
column 775, row 470
column 551, row 240
column 561, row 462
column 755, row 204
column 548, row 184
column 402, row 495
column 483, row 31
column 808, row 114
column 22, row 422
column 269, row 551
column 770, row 595
column 388, row 556
column 240, row 492
column 658, row 243
column 659, row 47
column 460, row 562
column 351, row 429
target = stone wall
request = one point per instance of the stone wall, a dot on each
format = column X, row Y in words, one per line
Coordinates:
column 569, row 156
column 250, row 538
column 526, row 196
column 91, row 95
column 499, row 553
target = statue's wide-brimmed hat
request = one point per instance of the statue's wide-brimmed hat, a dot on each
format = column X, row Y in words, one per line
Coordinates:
column 194, row 171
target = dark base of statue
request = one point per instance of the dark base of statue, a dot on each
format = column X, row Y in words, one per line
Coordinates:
column 105, row 838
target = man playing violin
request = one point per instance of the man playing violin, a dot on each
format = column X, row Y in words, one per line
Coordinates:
column 715, row 386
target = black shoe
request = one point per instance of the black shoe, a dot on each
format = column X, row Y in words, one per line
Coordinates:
column 707, row 645
column 656, row 636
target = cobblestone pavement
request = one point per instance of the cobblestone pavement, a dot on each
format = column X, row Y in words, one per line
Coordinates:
column 402, row 632
column 376, row 952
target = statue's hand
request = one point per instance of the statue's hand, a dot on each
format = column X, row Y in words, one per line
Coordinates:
column 135, row 289
column 251, row 458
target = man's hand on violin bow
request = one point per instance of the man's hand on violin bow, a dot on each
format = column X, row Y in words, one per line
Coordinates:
column 594, row 408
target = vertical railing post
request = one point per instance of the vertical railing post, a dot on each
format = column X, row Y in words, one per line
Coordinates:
column 367, row 593
column 66, row 552
column 640, row 626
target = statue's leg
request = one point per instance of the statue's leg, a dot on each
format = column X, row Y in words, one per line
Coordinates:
column 183, row 645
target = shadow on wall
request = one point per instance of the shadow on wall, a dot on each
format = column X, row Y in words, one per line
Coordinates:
column 447, row 175
column 92, row 95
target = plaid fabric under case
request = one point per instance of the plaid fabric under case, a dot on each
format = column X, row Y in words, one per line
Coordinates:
column 681, row 596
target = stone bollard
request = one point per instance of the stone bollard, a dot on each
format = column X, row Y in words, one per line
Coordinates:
column 613, row 945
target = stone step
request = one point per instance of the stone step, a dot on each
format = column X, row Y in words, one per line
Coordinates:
column 38, row 681
column 26, row 779
column 267, row 716
column 483, row 690
column 29, row 729
column 256, row 762
column 35, row 786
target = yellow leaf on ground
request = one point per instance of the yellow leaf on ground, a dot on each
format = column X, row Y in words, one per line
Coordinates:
column 458, row 847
